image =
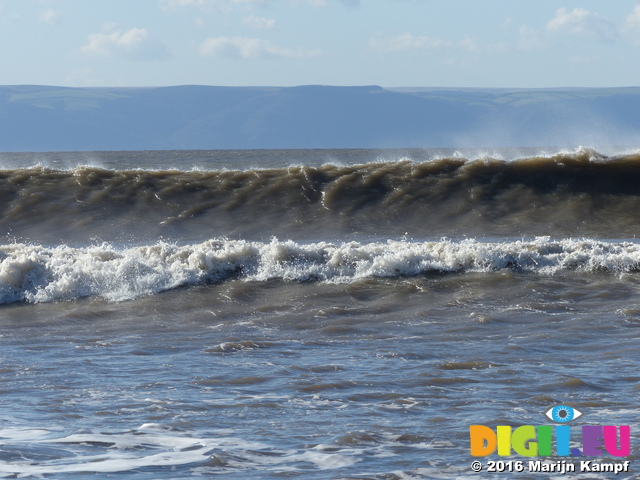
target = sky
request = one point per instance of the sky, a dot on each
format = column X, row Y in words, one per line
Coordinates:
column 391, row 43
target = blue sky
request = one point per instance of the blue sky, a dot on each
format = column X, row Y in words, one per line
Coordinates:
column 392, row 43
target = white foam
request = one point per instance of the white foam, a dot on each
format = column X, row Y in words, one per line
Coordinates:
column 152, row 445
column 102, row 453
column 35, row 273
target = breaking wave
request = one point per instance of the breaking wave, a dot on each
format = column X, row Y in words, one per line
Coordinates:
column 574, row 194
column 30, row 273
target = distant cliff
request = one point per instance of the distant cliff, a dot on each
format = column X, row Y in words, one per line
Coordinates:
column 42, row 118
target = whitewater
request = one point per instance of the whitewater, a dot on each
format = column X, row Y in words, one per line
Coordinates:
column 342, row 314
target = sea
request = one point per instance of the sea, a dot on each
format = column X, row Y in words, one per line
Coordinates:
column 314, row 314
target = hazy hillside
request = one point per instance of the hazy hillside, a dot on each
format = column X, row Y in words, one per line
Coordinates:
column 42, row 118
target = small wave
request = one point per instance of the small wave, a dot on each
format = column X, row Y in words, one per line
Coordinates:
column 31, row 273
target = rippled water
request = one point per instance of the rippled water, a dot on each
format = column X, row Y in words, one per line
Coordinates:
column 371, row 376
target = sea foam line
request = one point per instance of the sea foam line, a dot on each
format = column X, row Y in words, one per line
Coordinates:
column 34, row 273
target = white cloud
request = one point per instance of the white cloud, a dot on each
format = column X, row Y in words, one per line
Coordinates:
column 259, row 22
column 633, row 19
column 581, row 21
column 632, row 25
column 52, row 17
column 134, row 44
column 245, row 48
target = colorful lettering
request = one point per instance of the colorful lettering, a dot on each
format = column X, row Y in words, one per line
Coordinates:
column 531, row 441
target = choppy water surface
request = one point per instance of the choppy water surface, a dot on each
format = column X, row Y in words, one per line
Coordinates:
column 342, row 347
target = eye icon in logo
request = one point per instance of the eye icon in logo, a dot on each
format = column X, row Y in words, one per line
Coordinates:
column 563, row 413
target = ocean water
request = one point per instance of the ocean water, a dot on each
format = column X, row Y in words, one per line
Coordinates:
column 316, row 314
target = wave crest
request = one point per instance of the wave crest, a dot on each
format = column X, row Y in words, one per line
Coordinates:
column 565, row 194
column 32, row 273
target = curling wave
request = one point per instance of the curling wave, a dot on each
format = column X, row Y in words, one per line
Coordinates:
column 569, row 194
